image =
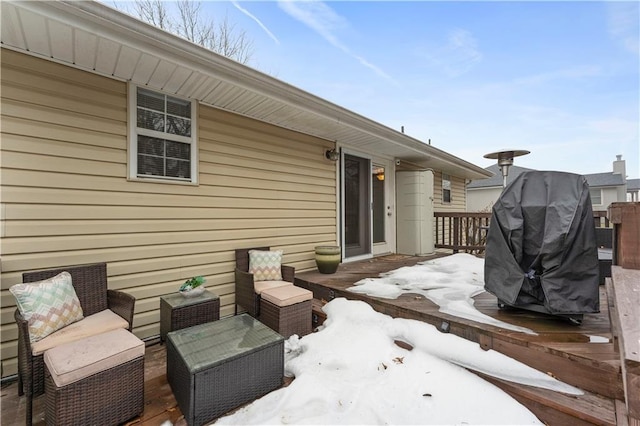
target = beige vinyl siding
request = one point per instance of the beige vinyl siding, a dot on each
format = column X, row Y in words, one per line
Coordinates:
column 66, row 199
column 458, row 203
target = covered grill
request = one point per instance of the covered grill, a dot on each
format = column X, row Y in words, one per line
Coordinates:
column 541, row 250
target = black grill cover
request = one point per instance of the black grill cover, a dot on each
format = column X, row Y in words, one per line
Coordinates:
column 541, row 245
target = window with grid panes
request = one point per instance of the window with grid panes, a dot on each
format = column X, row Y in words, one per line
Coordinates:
column 164, row 143
column 446, row 188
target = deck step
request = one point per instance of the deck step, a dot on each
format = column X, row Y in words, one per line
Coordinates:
column 623, row 289
column 317, row 314
column 551, row 407
column 565, row 363
column 561, row 359
column 584, row 356
column 554, row 408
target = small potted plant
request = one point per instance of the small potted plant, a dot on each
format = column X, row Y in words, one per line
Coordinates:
column 193, row 287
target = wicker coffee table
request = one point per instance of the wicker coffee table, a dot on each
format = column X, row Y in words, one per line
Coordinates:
column 178, row 312
column 215, row 367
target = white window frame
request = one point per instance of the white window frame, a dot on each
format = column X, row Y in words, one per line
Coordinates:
column 134, row 131
column 448, row 180
column 591, row 192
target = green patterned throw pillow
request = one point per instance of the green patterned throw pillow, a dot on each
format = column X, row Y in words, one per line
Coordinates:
column 47, row 305
column 265, row 265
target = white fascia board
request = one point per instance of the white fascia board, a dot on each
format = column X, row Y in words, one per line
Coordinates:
column 109, row 23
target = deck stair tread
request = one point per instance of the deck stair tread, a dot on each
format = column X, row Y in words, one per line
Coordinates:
column 588, row 408
column 585, row 356
column 591, row 366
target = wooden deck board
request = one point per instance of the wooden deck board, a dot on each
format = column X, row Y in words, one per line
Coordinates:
column 625, row 298
column 549, row 328
column 559, row 348
column 587, row 410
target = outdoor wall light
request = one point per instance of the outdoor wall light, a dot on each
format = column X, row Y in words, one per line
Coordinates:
column 505, row 160
column 332, row 155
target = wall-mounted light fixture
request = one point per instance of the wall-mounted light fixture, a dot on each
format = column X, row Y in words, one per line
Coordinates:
column 378, row 173
column 332, row 154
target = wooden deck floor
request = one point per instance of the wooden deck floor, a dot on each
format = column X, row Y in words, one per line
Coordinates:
column 563, row 350
column 160, row 404
column 568, row 352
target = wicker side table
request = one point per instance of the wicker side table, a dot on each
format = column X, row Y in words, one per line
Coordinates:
column 178, row 312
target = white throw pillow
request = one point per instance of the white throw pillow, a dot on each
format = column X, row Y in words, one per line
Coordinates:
column 47, row 305
column 265, row 265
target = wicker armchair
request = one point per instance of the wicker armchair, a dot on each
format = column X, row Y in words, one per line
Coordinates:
column 90, row 284
column 246, row 296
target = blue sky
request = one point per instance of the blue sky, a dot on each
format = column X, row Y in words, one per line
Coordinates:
column 560, row 79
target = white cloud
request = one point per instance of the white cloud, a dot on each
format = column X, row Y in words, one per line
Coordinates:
column 624, row 22
column 618, row 128
column 459, row 55
column 258, row 21
column 375, row 69
column 318, row 16
column 577, row 72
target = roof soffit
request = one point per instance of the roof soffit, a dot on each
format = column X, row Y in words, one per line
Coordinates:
column 131, row 50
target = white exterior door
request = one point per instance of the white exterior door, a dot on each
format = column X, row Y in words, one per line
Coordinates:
column 367, row 206
column 383, row 208
column 356, row 207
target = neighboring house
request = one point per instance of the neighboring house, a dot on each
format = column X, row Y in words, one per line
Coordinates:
column 633, row 190
column 482, row 193
column 125, row 144
column 604, row 188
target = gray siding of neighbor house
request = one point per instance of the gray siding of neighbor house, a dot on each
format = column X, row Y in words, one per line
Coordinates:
column 66, row 199
column 482, row 199
column 483, row 193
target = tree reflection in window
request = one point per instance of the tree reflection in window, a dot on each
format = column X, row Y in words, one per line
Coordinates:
column 161, row 157
column 158, row 117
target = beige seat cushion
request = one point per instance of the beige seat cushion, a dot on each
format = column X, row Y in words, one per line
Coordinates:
column 98, row 323
column 71, row 362
column 286, row 296
column 260, row 286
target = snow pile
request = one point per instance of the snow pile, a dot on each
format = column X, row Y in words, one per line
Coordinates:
column 450, row 282
column 352, row 372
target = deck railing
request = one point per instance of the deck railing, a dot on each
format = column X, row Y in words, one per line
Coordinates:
column 465, row 231
column 462, row 231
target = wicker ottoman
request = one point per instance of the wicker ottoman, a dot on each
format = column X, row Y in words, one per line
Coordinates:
column 215, row 367
column 98, row 380
column 287, row 310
